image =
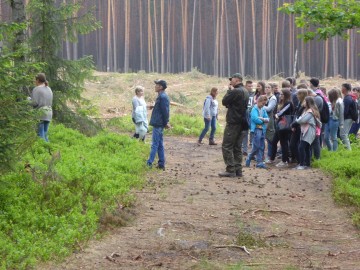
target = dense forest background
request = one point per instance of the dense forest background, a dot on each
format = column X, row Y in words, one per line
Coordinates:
column 218, row 37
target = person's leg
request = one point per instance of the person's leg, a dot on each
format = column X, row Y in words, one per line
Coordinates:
column 239, row 134
column 274, row 145
column 344, row 133
column 316, row 147
column 154, row 145
column 228, row 148
column 327, row 134
column 284, row 142
column 302, row 153
column 41, row 130
column 255, row 147
column 333, row 129
column 245, row 141
column 161, row 151
column 307, row 149
column 260, row 152
column 354, row 128
column 269, row 148
column 294, row 145
column 213, row 128
column 205, row 130
column 46, row 129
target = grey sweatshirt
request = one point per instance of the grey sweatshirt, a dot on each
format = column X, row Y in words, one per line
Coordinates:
column 42, row 99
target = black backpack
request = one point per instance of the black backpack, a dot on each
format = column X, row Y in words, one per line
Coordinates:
column 325, row 112
column 353, row 110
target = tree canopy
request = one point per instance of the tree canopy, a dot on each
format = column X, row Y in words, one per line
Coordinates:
column 322, row 19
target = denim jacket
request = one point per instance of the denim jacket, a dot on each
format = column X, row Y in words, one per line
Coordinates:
column 255, row 121
column 161, row 112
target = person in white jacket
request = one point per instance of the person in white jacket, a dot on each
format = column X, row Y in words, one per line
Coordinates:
column 210, row 112
column 139, row 114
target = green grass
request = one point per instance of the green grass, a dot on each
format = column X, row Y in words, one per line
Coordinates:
column 182, row 125
column 59, row 192
column 344, row 166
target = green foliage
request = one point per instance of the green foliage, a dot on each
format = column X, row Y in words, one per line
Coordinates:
column 59, row 192
column 323, row 19
column 188, row 125
column 121, row 124
column 51, row 25
column 182, row 124
column 17, row 120
column 345, row 167
column 58, row 200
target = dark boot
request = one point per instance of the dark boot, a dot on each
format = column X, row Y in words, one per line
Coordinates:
column 238, row 173
column 227, row 174
column 212, row 142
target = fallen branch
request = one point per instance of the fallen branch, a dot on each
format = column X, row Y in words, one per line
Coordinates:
column 258, row 264
column 234, row 246
column 271, row 211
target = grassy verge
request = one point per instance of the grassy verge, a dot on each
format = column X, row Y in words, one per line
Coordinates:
column 182, row 125
column 60, row 192
column 344, row 165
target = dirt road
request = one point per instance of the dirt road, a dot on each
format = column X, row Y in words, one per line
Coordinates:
column 189, row 218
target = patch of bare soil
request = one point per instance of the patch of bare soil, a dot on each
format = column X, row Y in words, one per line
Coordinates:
column 189, row 218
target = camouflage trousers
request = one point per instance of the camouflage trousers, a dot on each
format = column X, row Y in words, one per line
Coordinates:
column 231, row 147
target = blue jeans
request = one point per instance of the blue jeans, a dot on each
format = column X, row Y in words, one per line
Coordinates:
column 331, row 129
column 258, row 146
column 157, row 147
column 245, row 141
column 344, row 133
column 209, row 123
column 43, row 130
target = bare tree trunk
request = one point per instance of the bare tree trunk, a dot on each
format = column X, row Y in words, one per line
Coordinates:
column 114, row 35
column 241, row 56
column 254, row 37
column 127, row 36
column 141, row 36
column 108, row 65
column 192, row 36
column 326, row 58
column 150, row 40
column 217, row 40
column 18, row 16
column 227, row 40
column 156, row 39
column 162, row 36
column 184, row 5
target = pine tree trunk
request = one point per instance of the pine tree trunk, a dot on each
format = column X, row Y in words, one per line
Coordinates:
column 192, row 36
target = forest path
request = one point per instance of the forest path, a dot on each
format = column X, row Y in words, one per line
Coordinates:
column 188, row 218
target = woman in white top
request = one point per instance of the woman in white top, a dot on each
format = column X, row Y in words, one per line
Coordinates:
column 210, row 112
column 139, row 113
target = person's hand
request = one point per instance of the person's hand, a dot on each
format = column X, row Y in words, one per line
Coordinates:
column 168, row 126
column 293, row 129
column 208, row 118
column 276, row 116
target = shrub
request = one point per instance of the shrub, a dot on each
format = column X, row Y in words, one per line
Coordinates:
column 59, row 192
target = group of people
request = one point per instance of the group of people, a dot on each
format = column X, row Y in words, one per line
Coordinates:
column 302, row 118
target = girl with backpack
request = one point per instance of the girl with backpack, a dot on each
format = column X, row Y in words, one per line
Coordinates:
column 309, row 121
column 336, row 119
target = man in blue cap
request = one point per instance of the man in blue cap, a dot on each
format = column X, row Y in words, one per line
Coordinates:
column 236, row 101
column 159, row 120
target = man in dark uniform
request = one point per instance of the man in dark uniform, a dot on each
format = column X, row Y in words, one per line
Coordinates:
column 236, row 101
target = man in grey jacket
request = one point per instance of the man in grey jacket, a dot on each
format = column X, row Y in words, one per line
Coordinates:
column 42, row 99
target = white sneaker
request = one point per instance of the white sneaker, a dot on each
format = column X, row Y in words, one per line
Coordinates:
column 301, row 167
column 282, row 164
column 269, row 161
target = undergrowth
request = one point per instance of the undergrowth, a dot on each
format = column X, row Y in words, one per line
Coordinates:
column 181, row 125
column 344, row 165
column 59, row 192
